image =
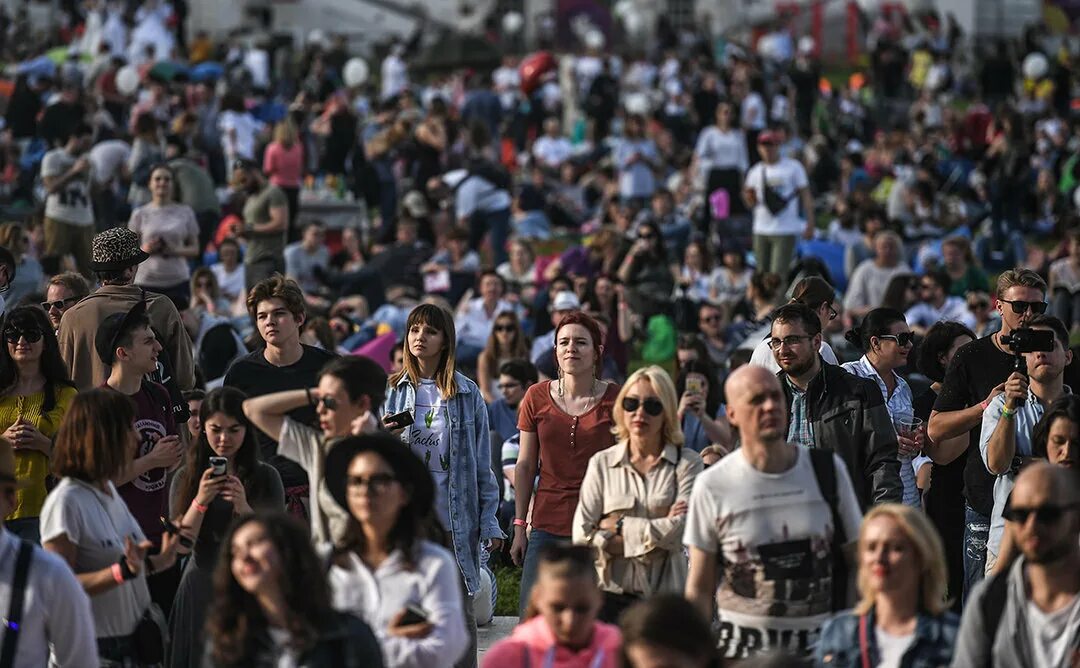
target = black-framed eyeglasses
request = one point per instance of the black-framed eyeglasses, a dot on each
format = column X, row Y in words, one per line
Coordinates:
column 376, row 483
column 904, row 339
column 329, row 403
column 833, row 314
column 789, row 341
column 652, row 405
column 1019, row 307
column 59, row 304
column 13, row 335
column 1048, row 514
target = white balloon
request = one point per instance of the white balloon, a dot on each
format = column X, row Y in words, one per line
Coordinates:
column 512, row 23
column 806, row 44
column 317, row 36
column 622, row 8
column 356, row 72
column 127, row 80
column 1035, row 66
column 594, row 39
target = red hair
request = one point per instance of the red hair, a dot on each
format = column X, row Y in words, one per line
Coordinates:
column 586, row 321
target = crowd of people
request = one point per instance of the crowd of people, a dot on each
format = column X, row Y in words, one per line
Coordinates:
column 719, row 360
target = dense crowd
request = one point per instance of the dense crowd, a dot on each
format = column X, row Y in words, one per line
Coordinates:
column 724, row 357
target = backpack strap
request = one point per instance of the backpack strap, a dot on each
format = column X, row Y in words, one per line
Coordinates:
column 825, row 474
column 15, row 609
column 992, row 604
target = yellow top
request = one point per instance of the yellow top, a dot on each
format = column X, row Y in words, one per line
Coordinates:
column 32, row 466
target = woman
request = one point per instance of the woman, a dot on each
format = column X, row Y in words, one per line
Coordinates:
column 29, row 276
column 721, row 157
column 902, row 618
column 146, row 152
column 816, row 293
column 695, row 275
column 283, row 165
column 944, row 500
column 634, row 496
column 987, row 320
column 273, row 604
column 647, row 272
column 607, row 298
column 564, row 422
column 700, row 410
column 229, row 270
column 561, row 629
column 208, row 503
column 169, row 234
column 667, row 630
column 886, row 342
column 762, row 296
column 348, row 391
column 384, row 565
column 207, row 301
column 449, row 433
column 730, row 280
column 519, row 271
column 36, row 395
column 506, row 342
column 87, row 524
column 238, row 128
column 959, row 262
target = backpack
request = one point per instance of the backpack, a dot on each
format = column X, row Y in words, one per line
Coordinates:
column 774, row 201
column 992, row 604
column 825, row 474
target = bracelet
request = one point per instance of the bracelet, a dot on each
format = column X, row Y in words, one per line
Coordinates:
column 1007, row 414
column 199, row 507
column 117, row 574
column 307, row 390
column 985, row 404
column 518, row 522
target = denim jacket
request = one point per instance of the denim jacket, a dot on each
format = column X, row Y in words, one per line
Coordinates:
column 474, row 492
column 838, row 644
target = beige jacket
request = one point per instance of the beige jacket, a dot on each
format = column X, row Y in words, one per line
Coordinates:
column 653, row 559
column 78, row 330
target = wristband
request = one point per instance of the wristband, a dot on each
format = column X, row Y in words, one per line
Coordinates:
column 125, row 571
column 518, row 522
column 307, row 391
column 117, row 574
column 199, row 507
column 985, row 404
column 1007, row 414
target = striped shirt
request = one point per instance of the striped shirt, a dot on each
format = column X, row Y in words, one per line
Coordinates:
column 800, row 429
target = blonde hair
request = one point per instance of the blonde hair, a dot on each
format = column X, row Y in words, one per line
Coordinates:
column 665, row 389
column 1025, row 278
column 922, row 535
column 442, row 320
column 285, row 133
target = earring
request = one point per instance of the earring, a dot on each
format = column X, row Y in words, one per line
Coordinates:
column 560, row 389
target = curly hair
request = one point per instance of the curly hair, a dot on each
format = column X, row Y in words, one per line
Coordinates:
column 236, row 620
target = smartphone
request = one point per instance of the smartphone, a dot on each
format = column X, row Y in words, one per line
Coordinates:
column 175, row 530
column 695, row 384
column 414, row 614
column 218, row 464
column 398, row 420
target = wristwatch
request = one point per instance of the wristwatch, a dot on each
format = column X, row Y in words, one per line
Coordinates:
column 618, row 525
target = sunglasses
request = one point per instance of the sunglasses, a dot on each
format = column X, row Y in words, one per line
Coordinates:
column 13, row 335
column 905, row 339
column 646, row 237
column 1019, row 307
column 59, row 304
column 329, row 403
column 504, row 328
column 375, row 483
column 1043, row 515
column 652, row 405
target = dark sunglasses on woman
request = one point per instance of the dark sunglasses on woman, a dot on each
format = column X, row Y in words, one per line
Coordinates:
column 652, row 406
column 13, row 335
column 902, row 340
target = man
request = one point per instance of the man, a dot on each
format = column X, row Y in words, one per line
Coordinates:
column 276, row 304
column 55, row 613
column 866, row 288
column 307, row 258
column 975, row 376
column 760, row 531
column 266, row 219
column 108, row 160
column 773, row 189
column 552, row 149
column 116, row 256
column 563, row 304
column 64, row 291
column 515, row 378
column 1007, row 423
column 476, row 316
column 832, row 409
column 66, row 173
column 711, row 326
column 937, row 304
column 482, row 200
column 1029, row 617
column 399, row 263
column 674, row 227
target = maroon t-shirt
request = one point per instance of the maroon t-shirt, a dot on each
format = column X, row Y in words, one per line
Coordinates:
column 566, row 445
column 147, row 496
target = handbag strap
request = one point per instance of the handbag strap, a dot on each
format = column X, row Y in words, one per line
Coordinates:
column 864, row 644
column 15, row 609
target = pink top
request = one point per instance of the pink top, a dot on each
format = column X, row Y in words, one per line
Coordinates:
column 533, row 645
column 284, row 166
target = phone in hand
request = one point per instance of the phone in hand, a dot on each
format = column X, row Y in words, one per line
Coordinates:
column 695, row 384
column 219, row 465
column 398, row 420
column 414, row 614
column 175, row 530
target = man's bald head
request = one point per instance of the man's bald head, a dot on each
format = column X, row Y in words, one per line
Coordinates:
column 745, row 377
column 1047, row 500
column 1042, row 482
column 756, row 405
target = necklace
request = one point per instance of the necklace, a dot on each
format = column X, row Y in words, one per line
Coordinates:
column 588, row 402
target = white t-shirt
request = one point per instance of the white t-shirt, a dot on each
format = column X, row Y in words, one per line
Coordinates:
column 96, row 524
column 891, row 648
column 230, row 282
column 1052, row 633
column 772, row 534
column 70, row 204
column 786, row 177
column 429, row 438
column 245, row 128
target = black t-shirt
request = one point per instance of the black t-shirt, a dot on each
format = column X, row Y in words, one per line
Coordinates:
column 254, row 376
column 946, row 480
column 977, row 368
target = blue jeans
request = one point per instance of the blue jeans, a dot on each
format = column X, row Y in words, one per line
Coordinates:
column 537, row 540
column 976, row 533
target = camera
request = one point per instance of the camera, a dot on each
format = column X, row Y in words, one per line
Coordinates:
column 1028, row 340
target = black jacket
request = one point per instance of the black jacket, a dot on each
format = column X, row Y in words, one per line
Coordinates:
column 849, row 417
column 347, row 643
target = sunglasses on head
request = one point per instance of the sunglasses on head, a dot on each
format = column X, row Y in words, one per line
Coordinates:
column 903, row 339
column 13, row 335
column 1019, row 306
column 652, row 405
column 1045, row 515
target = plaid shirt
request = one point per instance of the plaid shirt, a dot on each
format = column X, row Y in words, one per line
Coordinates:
column 800, row 428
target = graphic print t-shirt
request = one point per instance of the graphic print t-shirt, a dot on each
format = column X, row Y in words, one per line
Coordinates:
column 429, row 438
column 772, row 534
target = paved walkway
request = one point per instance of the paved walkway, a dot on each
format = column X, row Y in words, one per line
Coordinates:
column 486, row 636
